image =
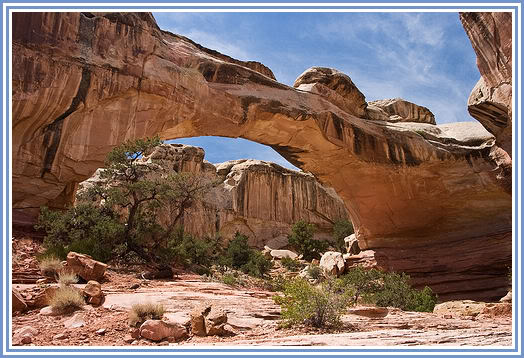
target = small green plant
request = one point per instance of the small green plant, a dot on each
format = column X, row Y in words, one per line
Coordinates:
column 318, row 306
column 314, row 272
column 67, row 299
column 141, row 312
column 388, row 290
column 66, row 278
column 229, row 279
column 341, row 229
column 240, row 256
column 277, row 283
column 301, row 238
column 50, row 266
column 291, row 264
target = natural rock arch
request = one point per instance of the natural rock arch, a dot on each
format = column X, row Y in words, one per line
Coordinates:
column 430, row 200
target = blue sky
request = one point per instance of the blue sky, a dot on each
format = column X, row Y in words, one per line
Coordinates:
column 425, row 58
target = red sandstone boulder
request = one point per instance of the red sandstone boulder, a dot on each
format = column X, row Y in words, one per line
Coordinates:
column 85, row 267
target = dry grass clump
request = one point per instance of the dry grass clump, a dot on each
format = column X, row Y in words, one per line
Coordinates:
column 141, row 312
column 67, row 299
column 50, row 266
column 66, row 278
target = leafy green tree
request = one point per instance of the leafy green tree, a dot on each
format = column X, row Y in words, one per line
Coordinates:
column 341, row 229
column 240, row 256
column 301, row 238
column 127, row 203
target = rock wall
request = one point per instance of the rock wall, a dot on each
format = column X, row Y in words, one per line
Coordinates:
column 84, row 82
column 259, row 199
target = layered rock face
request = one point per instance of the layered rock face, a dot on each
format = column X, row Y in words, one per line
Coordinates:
column 83, row 83
column 259, row 199
column 490, row 101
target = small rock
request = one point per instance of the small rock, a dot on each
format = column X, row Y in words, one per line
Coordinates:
column 60, row 336
column 93, row 293
column 332, row 263
column 157, row 330
column 134, row 332
column 135, row 286
column 19, row 304
column 24, row 335
column 76, row 321
column 48, row 311
column 507, row 298
column 135, row 342
column 280, row 254
column 41, row 281
column 128, row 338
column 101, row 331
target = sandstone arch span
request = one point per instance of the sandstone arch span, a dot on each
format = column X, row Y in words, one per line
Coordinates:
column 430, row 200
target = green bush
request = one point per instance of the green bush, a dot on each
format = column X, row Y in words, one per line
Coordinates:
column 314, row 272
column 240, row 256
column 258, row 265
column 388, row 290
column 85, row 228
column 191, row 251
column 301, row 238
column 229, row 279
column 341, row 229
column 278, row 283
column 291, row 264
column 317, row 306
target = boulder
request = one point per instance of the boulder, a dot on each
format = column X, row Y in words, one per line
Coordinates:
column 335, row 86
column 332, row 263
column 399, row 110
column 351, row 244
column 41, row 297
column 18, row 302
column 368, row 311
column 85, row 267
column 157, row 330
column 197, row 316
column 464, row 308
column 508, row 297
column 48, row 311
column 280, row 254
column 93, row 293
column 208, row 320
column 75, row 321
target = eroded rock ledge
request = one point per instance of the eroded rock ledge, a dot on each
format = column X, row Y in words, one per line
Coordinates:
column 83, row 83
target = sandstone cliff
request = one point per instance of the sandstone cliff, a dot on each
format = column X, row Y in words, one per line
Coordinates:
column 259, row 199
column 84, row 82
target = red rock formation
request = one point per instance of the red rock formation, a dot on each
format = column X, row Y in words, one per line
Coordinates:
column 83, row 83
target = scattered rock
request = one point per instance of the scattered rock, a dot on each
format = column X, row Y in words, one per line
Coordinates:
column 93, row 293
column 85, row 267
column 369, row 311
column 135, row 286
column 76, row 321
column 60, row 336
column 128, row 338
column 41, row 297
column 48, row 311
column 208, row 320
column 351, row 243
column 280, row 254
column 135, row 333
column 198, row 327
column 24, row 335
column 157, row 330
column 332, row 263
column 19, row 304
column 101, row 331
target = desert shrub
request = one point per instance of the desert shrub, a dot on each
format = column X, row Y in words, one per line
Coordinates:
column 314, row 272
column 291, row 264
column 142, row 312
column 301, row 238
column 229, row 279
column 258, row 265
column 66, row 278
column 85, row 228
column 193, row 252
column 240, row 256
column 277, row 283
column 317, row 306
column 341, row 229
column 50, row 266
column 388, row 290
column 66, row 300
